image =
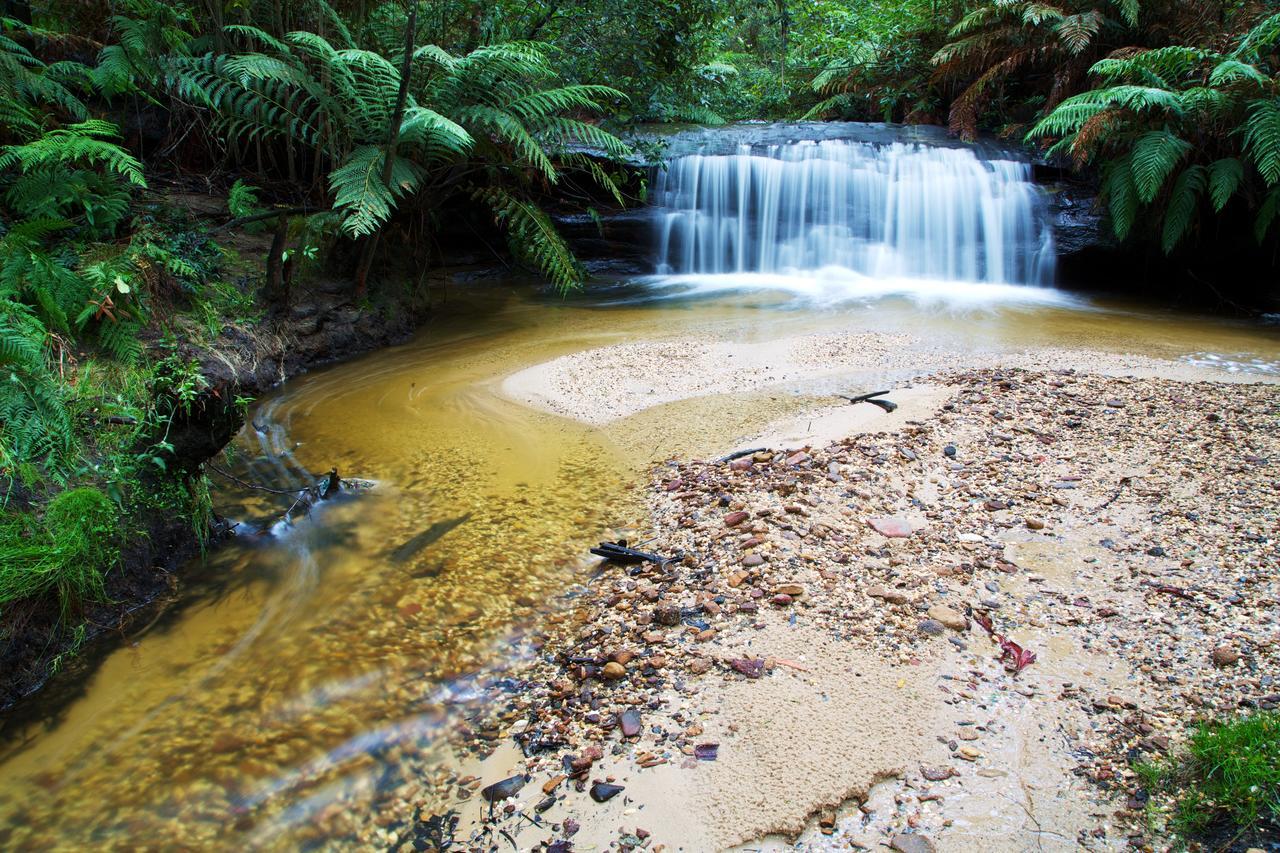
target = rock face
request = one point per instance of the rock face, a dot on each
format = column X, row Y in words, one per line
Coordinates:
column 1078, row 224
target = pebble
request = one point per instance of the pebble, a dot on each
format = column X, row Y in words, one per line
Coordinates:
column 893, row 527
column 911, row 842
column 1225, row 656
column 949, row 617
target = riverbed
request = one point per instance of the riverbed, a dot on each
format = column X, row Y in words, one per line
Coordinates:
column 316, row 664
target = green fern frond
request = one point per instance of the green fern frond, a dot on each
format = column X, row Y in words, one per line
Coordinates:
column 1077, row 32
column 1122, row 196
column 1262, row 138
column 1129, row 10
column 1180, row 213
column 1263, row 35
column 1155, row 155
column 86, row 142
column 360, row 195
column 1267, row 214
column 1225, row 177
column 533, row 238
column 1230, row 70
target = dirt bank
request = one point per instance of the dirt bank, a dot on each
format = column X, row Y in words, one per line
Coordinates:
column 322, row 325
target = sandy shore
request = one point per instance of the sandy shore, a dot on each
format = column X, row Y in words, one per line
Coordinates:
column 603, row 385
column 798, row 674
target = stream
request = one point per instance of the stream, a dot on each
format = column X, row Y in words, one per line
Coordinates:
column 316, row 664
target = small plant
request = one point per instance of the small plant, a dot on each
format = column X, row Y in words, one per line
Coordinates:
column 66, row 553
column 1227, row 779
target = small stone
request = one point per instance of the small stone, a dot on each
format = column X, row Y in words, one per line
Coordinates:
column 932, row 628
column 630, row 723
column 602, row 792
column 699, row 665
column 1225, row 656
column 892, row 526
column 936, row 774
column 508, row 787
column 781, row 600
column 893, row 596
column 750, row 667
column 1034, row 523
column 614, row 670
column 911, row 842
column 666, row 614
column 948, row 616
column 752, row 560
column 733, row 519
column 553, row 783
column 968, row 753
column 791, row 589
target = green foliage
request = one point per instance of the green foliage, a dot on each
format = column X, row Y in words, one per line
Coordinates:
column 1226, row 779
column 1159, row 108
column 499, row 109
column 65, row 554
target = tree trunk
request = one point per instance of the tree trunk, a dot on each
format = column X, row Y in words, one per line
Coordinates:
column 277, row 292
column 393, row 138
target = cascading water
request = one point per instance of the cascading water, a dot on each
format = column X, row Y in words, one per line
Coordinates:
column 895, row 211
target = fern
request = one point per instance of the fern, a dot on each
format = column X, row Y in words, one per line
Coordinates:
column 1155, row 155
column 88, row 142
column 1225, row 177
column 533, row 238
column 1181, row 210
column 359, row 193
column 1122, row 195
column 1262, row 138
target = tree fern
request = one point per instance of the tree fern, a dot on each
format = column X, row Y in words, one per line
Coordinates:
column 89, row 142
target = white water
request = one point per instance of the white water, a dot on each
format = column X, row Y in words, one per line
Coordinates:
column 852, row 219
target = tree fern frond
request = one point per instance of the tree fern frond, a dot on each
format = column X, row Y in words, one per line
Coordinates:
column 1180, row 212
column 1262, row 138
column 1122, row 195
column 1267, row 214
column 1155, row 155
column 1225, row 177
column 361, row 196
column 533, row 238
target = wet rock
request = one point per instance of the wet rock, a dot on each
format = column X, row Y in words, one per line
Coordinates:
column 505, row 789
column 911, row 842
column 629, row 722
column 1225, row 656
column 892, row 526
column 602, row 792
column 949, row 617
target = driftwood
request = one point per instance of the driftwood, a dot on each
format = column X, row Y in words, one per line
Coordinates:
column 887, row 405
column 741, row 453
column 618, row 552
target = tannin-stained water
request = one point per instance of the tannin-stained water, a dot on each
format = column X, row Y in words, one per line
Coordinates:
column 311, row 671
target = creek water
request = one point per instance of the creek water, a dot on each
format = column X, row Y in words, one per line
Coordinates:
column 316, row 665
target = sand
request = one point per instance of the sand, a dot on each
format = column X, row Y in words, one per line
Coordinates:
column 603, row 385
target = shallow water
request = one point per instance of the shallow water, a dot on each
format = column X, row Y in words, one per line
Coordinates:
column 309, row 667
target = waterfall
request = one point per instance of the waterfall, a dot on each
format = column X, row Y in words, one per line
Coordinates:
column 896, row 211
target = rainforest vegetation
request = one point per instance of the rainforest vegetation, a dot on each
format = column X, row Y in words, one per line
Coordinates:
column 350, row 134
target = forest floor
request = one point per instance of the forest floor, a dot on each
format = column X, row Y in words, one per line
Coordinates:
column 814, row 665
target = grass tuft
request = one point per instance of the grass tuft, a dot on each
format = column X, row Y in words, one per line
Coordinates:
column 1226, row 780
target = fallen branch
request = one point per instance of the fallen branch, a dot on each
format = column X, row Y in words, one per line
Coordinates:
column 887, row 405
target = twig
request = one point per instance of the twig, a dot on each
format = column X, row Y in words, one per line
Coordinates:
column 741, row 453
column 233, row 478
